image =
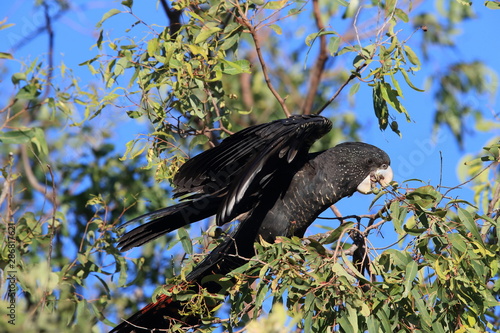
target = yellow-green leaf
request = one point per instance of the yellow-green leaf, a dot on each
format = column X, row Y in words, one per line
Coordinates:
column 107, row 15
column 205, row 34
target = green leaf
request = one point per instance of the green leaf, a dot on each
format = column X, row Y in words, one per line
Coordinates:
column 407, row 79
column 153, row 46
column 468, row 221
column 312, row 37
column 401, row 259
column 372, row 324
column 457, row 241
column 334, row 235
column 492, row 4
column 348, row 49
column 235, row 67
column 342, row 2
column 228, row 43
column 185, row 240
column 317, row 246
column 380, row 106
column 107, row 15
column 348, row 322
column 398, row 215
column 5, row 26
column 425, row 196
column 276, row 28
column 308, row 309
column 395, row 84
column 437, row 327
column 391, row 96
column 401, row 15
column 17, row 77
column 198, row 140
column 120, row 66
column 39, row 141
column 410, row 274
column 18, row 136
column 354, row 89
column 384, row 320
column 132, row 151
column 5, row 55
column 353, row 268
column 392, row 47
column 29, row 91
column 205, row 34
column 195, row 103
column 128, row 3
column 134, row 114
column 333, row 44
column 390, row 5
column 121, row 266
column 274, row 4
column 422, row 309
column 411, row 56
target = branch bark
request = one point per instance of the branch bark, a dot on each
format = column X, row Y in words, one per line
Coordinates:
column 242, row 19
column 319, row 65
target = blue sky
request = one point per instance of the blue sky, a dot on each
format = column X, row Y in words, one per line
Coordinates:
column 416, row 155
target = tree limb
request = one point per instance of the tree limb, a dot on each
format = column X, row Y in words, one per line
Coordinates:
column 319, row 66
column 30, row 176
column 245, row 22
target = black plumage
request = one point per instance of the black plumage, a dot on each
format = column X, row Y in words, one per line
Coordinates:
column 265, row 177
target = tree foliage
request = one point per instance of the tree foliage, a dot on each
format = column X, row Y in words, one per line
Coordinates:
column 226, row 65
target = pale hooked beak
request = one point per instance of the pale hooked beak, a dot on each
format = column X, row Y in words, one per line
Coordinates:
column 381, row 176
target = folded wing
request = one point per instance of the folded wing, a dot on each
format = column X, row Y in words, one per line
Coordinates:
column 248, row 160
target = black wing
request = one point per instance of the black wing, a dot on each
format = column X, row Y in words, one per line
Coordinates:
column 246, row 161
column 230, row 179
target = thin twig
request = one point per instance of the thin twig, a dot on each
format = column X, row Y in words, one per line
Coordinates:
column 30, row 176
column 41, row 29
column 440, row 169
column 469, row 180
column 6, row 187
column 8, row 106
column 495, row 198
column 217, row 112
column 50, row 52
column 243, row 20
column 336, row 211
column 52, row 231
column 352, row 76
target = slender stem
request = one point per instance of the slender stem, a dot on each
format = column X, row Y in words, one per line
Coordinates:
column 244, row 21
column 352, row 76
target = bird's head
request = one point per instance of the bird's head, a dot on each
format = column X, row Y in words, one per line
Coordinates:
column 382, row 175
column 370, row 164
column 379, row 165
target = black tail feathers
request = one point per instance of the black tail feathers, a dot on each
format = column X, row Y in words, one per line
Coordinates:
column 168, row 219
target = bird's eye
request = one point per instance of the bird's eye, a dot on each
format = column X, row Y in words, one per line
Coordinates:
column 384, row 166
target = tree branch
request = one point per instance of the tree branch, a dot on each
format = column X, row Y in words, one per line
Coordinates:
column 349, row 79
column 39, row 30
column 244, row 21
column 319, row 66
column 30, row 176
column 50, row 53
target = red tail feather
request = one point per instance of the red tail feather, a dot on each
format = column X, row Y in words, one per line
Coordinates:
column 156, row 316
